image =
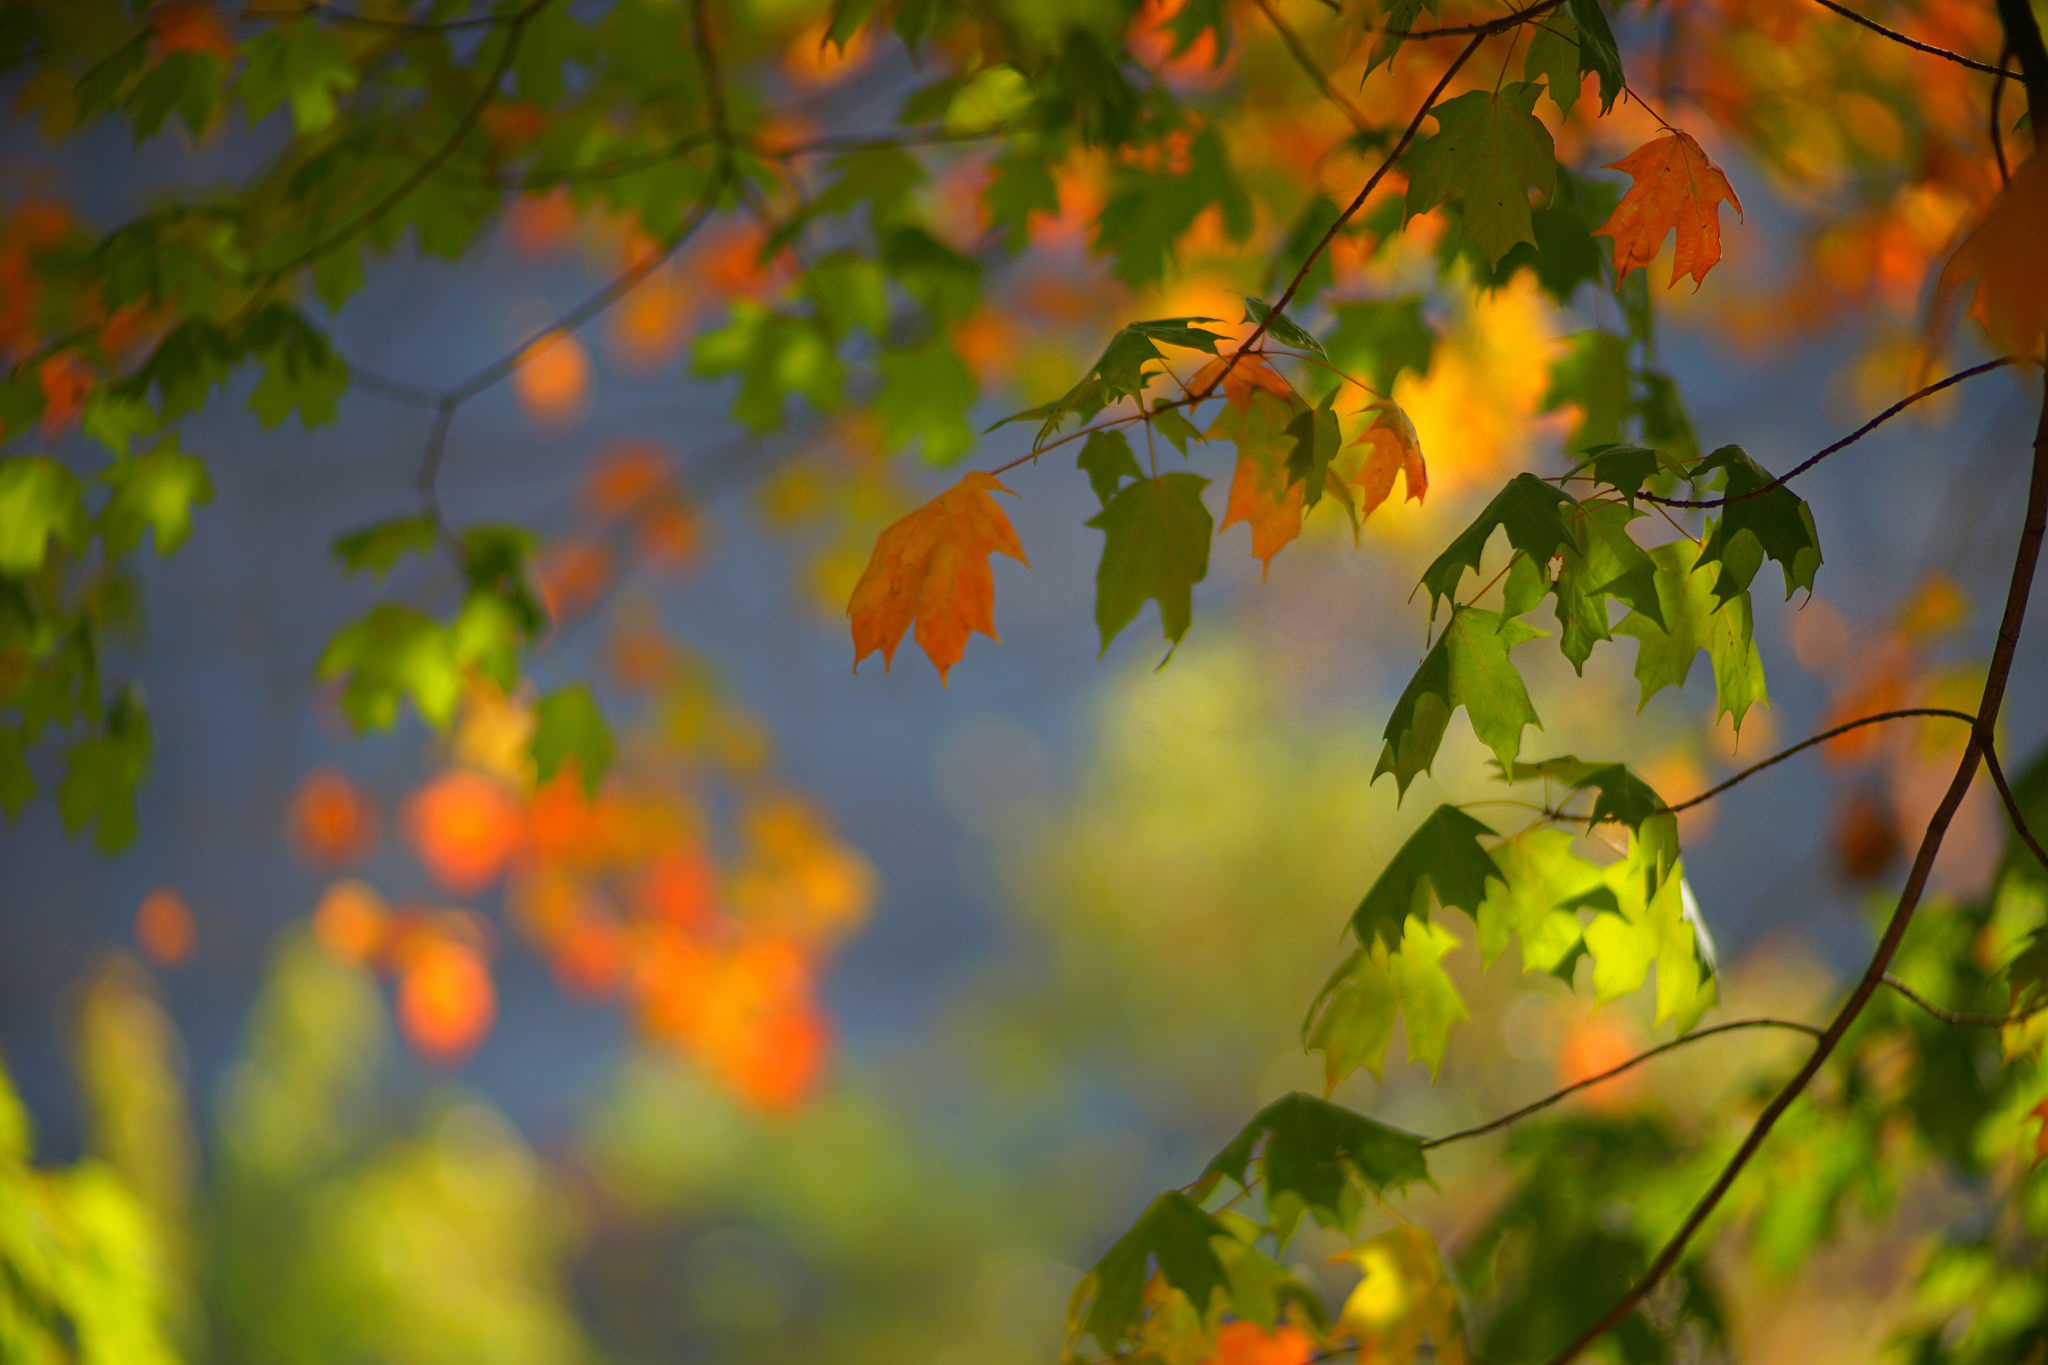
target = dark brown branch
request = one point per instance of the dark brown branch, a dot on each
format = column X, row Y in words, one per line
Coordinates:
column 1963, row 1018
column 1486, row 28
column 1918, row 395
column 1305, row 59
column 425, row 170
column 2012, row 807
column 2025, row 561
column 1537, row 1106
column 1929, row 48
column 1935, row 712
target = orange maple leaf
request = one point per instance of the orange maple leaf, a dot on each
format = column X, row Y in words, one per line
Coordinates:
column 2003, row 252
column 1247, row 1343
column 65, row 382
column 1248, row 376
column 1676, row 186
column 932, row 568
column 1395, row 449
column 187, row 26
column 1262, row 498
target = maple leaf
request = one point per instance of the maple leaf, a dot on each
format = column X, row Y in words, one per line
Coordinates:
column 1405, row 1297
column 1156, row 545
column 1676, row 187
column 1262, row 498
column 931, row 567
column 1247, row 1343
column 2003, row 254
column 1395, row 449
column 186, row 26
column 1490, row 152
column 1316, row 1158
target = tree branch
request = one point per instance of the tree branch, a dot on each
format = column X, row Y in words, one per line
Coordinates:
column 2025, row 561
column 1537, row 1106
column 1851, row 439
column 1929, row 48
column 316, row 9
column 2012, row 807
column 1937, row 712
column 1963, row 1018
column 1485, row 28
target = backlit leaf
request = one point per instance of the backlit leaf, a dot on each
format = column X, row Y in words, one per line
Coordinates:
column 1489, row 155
column 1753, row 525
column 1676, row 188
column 2003, row 254
column 1444, row 856
column 931, row 567
column 568, row 723
column 1536, row 516
column 1173, row 1233
column 1314, row 1155
column 1468, row 667
column 1156, row 546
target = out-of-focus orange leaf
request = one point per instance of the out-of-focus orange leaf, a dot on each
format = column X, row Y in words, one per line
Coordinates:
column 1262, row 498
column 932, row 567
column 1249, row 376
column 553, row 377
column 65, row 381
column 625, row 475
column 651, row 323
column 729, row 265
column 745, row 1012
column 1864, row 836
column 640, row 657
column 572, row 577
column 1151, row 41
column 778, row 1065
column 189, row 26
column 351, row 924
column 1395, row 448
column 330, row 820
column 446, row 999
column 667, row 534
column 125, row 328
column 987, row 341
column 589, row 957
column 1591, row 1046
column 1885, row 683
column 511, row 124
column 464, row 827
column 1247, row 1343
column 539, row 224
column 678, row 888
column 1676, row 188
column 2003, row 254
column 164, row 928
column 813, row 60
column 1936, row 607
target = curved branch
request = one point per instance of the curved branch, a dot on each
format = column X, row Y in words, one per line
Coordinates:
column 317, row 9
column 1851, row 439
column 1484, row 29
column 1908, row 713
column 2012, row 806
column 1537, row 1106
column 1929, row 48
column 1963, row 1018
column 2026, row 560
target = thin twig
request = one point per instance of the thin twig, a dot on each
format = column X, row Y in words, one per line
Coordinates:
column 1963, row 1018
column 1537, row 1106
column 1997, row 121
column 1935, row 712
column 1929, row 48
column 1484, row 29
column 1851, row 439
column 2012, row 806
column 315, row 9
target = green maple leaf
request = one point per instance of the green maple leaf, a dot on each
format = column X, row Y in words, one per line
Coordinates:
column 1539, row 875
column 1352, row 1019
column 1777, row 524
column 1553, row 54
column 1606, row 565
column 155, row 491
column 1107, row 459
column 1534, row 514
column 1627, row 468
column 1316, row 1154
column 1119, row 372
column 568, row 723
column 376, row 548
column 1175, row 1233
column 1599, row 54
column 927, row 391
column 1021, row 186
column 1281, row 328
column 391, row 654
column 1316, row 440
column 1489, row 154
column 1468, row 667
column 1694, row 618
column 1156, row 545
column 102, row 772
column 1442, row 855
column 1618, row 793
column 41, row 502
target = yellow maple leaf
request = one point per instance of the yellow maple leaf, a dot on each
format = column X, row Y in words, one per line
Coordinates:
column 1404, row 1299
column 932, row 567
